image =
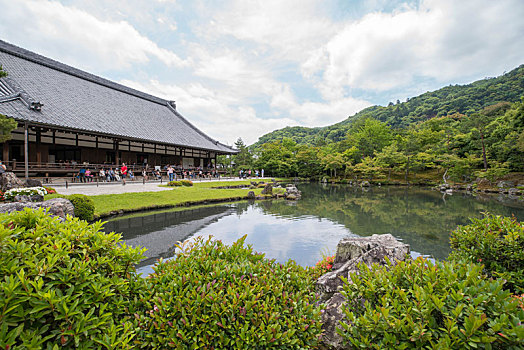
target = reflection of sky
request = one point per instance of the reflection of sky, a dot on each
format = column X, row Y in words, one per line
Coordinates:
column 302, row 240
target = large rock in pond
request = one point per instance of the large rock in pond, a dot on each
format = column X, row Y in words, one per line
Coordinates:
column 60, row 207
column 292, row 193
column 9, row 180
column 251, row 195
column 351, row 252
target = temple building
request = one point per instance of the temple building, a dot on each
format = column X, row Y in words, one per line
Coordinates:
column 70, row 117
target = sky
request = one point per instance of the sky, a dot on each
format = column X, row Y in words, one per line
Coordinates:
column 240, row 68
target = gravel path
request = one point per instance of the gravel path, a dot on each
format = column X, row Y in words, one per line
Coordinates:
column 91, row 189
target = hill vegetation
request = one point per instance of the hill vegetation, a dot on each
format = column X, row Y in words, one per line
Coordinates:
column 458, row 132
column 449, row 100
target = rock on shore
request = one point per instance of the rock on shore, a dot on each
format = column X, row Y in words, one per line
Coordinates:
column 60, row 207
column 350, row 253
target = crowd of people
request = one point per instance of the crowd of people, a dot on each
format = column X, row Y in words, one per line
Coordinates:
column 244, row 174
column 122, row 173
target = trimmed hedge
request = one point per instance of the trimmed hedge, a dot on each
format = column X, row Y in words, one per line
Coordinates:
column 187, row 183
column 212, row 296
column 496, row 242
column 84, row 206
column 415, row 305
column 174, row 183
column 64, row 284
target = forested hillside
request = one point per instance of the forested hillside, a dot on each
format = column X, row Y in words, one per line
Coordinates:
column 462, row 99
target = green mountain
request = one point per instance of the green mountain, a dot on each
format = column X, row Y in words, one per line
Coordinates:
column 464, row 99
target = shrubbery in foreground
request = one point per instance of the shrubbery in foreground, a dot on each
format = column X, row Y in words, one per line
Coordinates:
column 497, row 243
column 416, row 304
column 66, row 284
column 212, row 296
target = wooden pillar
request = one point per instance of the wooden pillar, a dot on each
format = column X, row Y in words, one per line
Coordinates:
column 5, row 153
column 117, row 156
column 215, row 165
column 38, row 146
column 26, row 151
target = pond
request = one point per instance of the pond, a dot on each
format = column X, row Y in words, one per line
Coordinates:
column 306, row 229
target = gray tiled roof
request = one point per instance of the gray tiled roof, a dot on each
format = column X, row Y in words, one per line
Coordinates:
column 75, row 99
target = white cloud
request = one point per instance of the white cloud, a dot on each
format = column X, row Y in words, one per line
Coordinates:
column 291, row 28
column 213, row 113
column 443, row 40
column 81, row 37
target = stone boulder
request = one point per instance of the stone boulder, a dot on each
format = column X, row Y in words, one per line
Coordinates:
column 60, row 207
column 292, row 193
column 251, row 195
column 505, row 184
column 365, row 184
column 268, row 189
column 9, row 180
column 513, row 191
column 351, row 252
column 28, row 198
column 32, row 183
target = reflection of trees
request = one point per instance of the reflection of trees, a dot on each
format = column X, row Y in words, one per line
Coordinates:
column 417, row 216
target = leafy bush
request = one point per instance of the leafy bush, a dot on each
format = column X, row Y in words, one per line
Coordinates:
column 84, row 206
column 24, row 191
column 64, row 283
column 498, row 243
column 496, row 171
column 212, row 296
column 186, row 183
column 416, row 304
column 174, row 183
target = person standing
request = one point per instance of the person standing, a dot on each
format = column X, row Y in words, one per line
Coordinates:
column 170, row 171
column 123, row 170
column 262, row 172
column 82, row 174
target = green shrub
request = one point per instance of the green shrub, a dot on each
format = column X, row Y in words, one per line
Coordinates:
column 174, row 183
column 186, row 183
column 498, row 243
column 212, row 296
column 84, row 206
column 416, row 304
column 64, row 284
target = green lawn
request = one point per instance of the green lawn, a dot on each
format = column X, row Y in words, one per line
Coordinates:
column 198, row 193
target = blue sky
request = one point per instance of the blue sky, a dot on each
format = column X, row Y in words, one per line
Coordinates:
column 243, row 68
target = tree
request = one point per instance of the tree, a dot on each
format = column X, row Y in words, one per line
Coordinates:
column 390, row 157
column 7, row 125
column 243, row 159
column 369, row 135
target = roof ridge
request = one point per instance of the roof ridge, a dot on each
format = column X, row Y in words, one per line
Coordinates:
column 64, row 68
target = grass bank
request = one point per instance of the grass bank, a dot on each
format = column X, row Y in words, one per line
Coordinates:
column 199, row 193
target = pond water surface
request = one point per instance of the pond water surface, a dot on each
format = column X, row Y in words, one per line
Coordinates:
column 305, row 229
